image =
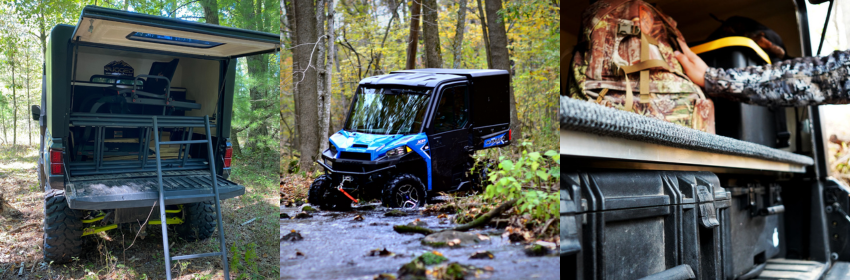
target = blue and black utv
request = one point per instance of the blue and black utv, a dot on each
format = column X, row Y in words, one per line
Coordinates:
column 410, row 134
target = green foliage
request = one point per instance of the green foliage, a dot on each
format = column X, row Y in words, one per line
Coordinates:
column 431, row 258
column 529, row 179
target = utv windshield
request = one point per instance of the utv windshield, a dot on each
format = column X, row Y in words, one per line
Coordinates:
column 388, row 110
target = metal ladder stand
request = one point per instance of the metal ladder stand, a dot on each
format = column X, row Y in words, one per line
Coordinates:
column 162, row 197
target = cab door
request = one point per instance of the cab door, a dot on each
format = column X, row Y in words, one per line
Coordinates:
column 449, row 137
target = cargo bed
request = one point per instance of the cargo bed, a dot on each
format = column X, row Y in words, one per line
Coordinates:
column 127, row 190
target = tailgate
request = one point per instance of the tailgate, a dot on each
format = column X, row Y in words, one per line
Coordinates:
column 141, row 189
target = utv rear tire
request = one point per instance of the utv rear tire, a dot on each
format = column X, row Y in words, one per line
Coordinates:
column 323, row 195
column 404, row 191
column 199, row 221
column 481, row 176
column 63, row 228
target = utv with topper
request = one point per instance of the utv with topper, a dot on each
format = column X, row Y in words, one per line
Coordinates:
column 410, row 134
column 122, row 147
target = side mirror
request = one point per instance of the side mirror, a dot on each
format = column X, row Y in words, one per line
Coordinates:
column 36, row 112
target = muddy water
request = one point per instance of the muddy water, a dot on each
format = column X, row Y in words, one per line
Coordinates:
column 337, row 247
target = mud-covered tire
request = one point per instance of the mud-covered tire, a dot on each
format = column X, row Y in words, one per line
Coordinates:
column 323, row 195
column 63, row 229
column 404, row 191
column 199, row 221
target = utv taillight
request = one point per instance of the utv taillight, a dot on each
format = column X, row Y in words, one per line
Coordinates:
column 510, row 135
column 56, row 164
column 228, row 155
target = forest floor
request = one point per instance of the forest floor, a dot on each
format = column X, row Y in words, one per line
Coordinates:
column 361, row 243
column 109, row 255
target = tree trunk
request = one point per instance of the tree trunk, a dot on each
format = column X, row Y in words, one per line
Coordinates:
column 325, row 80
column 237, row 147
column 14, row 104
column 293, row 39
column 501, row 60
column 322, row 75
column 304, row 63
column 210, row 11
column 27, row 82
column 413, row 41
column 484, row 34
column 461, row 28
column 431, row 28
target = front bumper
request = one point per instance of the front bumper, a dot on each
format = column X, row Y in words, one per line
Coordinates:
column 359, row 173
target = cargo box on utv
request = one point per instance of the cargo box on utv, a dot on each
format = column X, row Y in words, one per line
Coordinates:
column 410, row 134
column 134, row 104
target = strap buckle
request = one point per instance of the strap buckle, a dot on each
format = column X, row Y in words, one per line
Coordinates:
column 626, row 29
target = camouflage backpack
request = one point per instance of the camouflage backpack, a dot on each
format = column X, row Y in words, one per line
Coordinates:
column 627, row 45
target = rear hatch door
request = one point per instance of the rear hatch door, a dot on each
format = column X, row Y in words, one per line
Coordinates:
column 102, row 26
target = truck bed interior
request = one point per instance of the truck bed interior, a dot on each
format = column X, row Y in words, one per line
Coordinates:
column 113, row 155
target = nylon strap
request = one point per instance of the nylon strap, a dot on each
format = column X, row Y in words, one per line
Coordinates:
column 644, row 74
column 601, row 94
column 652, row 63
column 630, row 98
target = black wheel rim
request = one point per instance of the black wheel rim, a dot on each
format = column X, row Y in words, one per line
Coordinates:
column 407, row 197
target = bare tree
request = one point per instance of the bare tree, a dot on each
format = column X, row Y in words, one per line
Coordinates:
column 499, row 52
column 413, row 41
column 293, row 39
column 324, row 64
column 304, row 64
column 484, row 35
column 460, row 29
column 431, row 28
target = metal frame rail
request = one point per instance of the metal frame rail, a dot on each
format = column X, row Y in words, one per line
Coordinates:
column 144, row 122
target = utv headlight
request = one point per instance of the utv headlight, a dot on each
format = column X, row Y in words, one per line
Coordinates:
column 332, row 148
column 398, row 151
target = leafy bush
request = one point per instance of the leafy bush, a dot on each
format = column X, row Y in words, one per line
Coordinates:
column 530, row 179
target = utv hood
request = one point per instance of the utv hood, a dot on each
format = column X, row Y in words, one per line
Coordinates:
column 375, row 145
column 104, row 26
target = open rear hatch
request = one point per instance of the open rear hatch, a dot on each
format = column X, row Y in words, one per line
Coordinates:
column 111, row 152
column 139, row 31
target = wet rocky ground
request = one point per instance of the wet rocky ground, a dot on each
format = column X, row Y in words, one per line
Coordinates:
column 339, row 245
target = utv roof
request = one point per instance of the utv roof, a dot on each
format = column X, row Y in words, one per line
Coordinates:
column 103, row 26
column 429, row 77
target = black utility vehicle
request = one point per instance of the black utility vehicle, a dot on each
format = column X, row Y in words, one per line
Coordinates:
column 410, row 134
column 115, row 142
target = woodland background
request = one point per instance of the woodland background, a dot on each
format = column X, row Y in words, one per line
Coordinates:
column 374, row 37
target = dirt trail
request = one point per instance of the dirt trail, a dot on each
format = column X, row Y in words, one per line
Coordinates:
column 335, row 246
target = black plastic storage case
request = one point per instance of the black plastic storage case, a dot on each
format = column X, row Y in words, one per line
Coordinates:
column 634, row 224
column 756, row 218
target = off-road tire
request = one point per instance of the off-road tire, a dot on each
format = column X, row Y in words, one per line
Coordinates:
column 480, row 177
column 323, row 195
column 399, row 183
column 63, row 228
column 199, row 221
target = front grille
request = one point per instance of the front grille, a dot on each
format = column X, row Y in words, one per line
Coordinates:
column 357, row 156
column 348, row 167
